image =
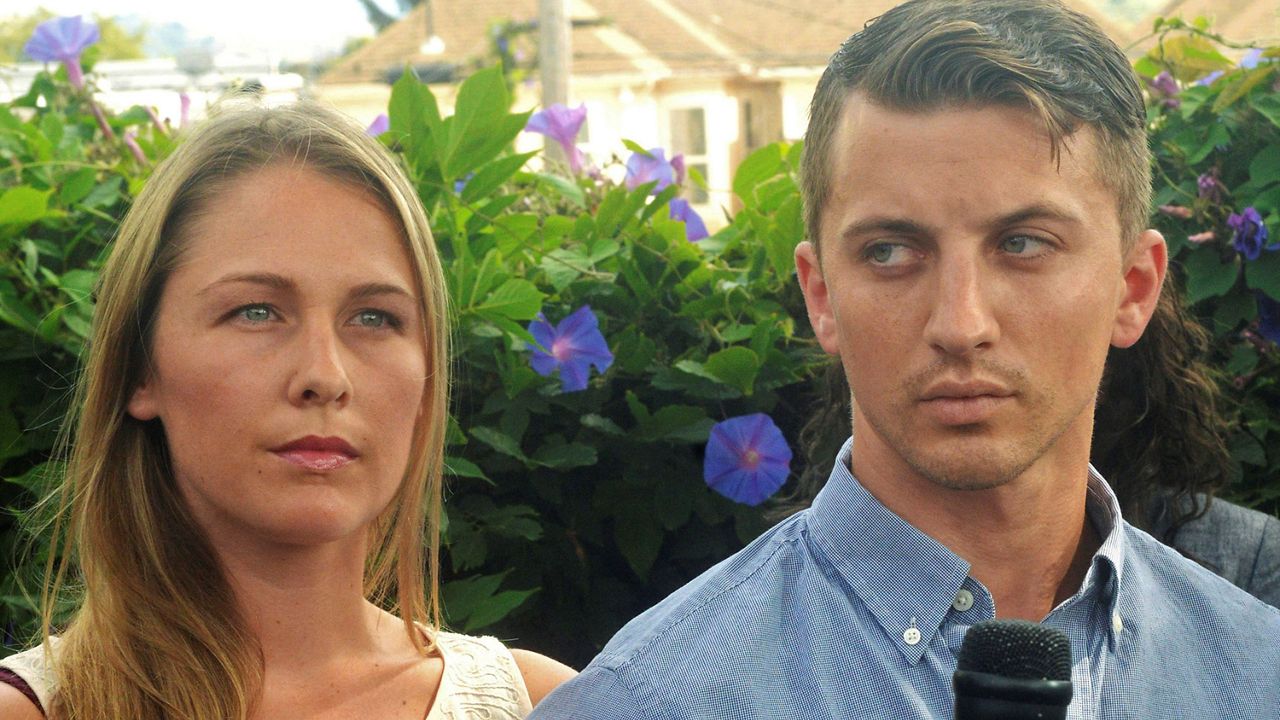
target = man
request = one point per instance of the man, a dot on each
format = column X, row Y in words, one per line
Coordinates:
column 976, row 183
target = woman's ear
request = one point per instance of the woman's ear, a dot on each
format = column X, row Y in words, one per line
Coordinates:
column 143, row 404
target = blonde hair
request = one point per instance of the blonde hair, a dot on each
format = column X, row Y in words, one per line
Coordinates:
column 158, row 632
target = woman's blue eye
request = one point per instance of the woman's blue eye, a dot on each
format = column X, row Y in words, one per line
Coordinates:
column 255, row 313
column 374, row 319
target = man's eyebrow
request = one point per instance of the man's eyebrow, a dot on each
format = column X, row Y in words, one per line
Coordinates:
column 885, row 225
column 1039, row 211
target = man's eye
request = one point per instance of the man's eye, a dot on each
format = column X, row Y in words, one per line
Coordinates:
column 1025, row 245
column 888, row 254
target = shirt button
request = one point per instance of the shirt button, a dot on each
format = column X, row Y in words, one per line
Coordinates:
column 911, row 636
column 963, row 601
column 1116, row 623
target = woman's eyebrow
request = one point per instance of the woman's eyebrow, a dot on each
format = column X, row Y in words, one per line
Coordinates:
column 368, row 290
column 269, row 280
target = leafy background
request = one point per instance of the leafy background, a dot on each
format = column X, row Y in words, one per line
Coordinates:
column 570, row 512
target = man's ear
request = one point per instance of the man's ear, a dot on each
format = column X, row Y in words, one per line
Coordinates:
column 1143, row 277
column 142, row 403
column 817, row 298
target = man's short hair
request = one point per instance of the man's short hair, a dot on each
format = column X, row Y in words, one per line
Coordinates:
column 928, row 55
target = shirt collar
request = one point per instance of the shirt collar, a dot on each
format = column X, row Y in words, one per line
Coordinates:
column 902, row 575
column 907, row 579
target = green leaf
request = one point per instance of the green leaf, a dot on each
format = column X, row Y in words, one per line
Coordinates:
column 759, row 166
column 496, row 608
column 639, row 539
column 515, row 299
column 1268, row 104
column 488, row 178
column 1241, row 86
column 461, row 467
column 565, row 457
column 1264, row 273
column 636, row 147
column 1265, row 166
column 681, row 423
column 77, row 186
column 735, row 366
column 23, row 205
column 1207, row 276
column 480, row 124
column 602, row 424
column 568, row 189
column 498, row 441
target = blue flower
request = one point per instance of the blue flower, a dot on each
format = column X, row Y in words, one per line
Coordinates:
column 645, row 168
column 63, row 40
column 461, row 183
column 1251, row 59
column 747, row 459
column 573, row 346
column 1209, row 79
column 1268, row 317
column 380, row 124
column 561, row 124
column 694, row 228
column 1250, row 237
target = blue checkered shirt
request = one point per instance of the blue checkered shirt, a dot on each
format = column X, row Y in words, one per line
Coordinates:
column 847, row 611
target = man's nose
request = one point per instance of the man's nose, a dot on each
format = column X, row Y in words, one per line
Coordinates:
column 320, row 376
column 961, row 317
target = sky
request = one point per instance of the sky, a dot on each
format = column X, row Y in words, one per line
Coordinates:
column 284, row 29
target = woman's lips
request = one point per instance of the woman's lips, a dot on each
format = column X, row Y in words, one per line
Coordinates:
column 321, row 460
column 321, row 454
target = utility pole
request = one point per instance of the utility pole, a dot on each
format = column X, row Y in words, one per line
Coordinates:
column 554, row 53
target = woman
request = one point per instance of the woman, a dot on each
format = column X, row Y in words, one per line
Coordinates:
column 258, row 450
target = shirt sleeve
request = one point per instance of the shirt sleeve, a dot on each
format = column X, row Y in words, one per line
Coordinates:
column 599, row 693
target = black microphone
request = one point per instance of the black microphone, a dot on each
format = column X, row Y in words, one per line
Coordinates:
column 1013, row 670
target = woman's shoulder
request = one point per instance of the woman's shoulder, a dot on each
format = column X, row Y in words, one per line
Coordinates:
column 31, row 667
column 481, row 673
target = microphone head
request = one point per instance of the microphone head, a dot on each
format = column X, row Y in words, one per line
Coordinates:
column 1016, row 649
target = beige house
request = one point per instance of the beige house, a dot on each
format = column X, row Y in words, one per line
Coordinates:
column 711, row 79
column 1238, row 20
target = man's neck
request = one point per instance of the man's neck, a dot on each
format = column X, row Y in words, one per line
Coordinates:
column 1028, row 541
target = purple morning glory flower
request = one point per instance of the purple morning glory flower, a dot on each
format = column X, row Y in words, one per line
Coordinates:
column 1251, row 59
column 747, row 459
column 1268, row 317
column 1250, row 237
column 63, row 40
column 380, row 124
column 643, row 169
column 461, row 183
column 1209, row 187
column 694, row 228
column 1165, row 87
column 573, row 346
column 561, row 124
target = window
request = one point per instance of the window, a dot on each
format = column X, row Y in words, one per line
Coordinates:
column 689, row 138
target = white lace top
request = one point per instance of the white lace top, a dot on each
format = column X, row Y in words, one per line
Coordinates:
column 480, row 680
